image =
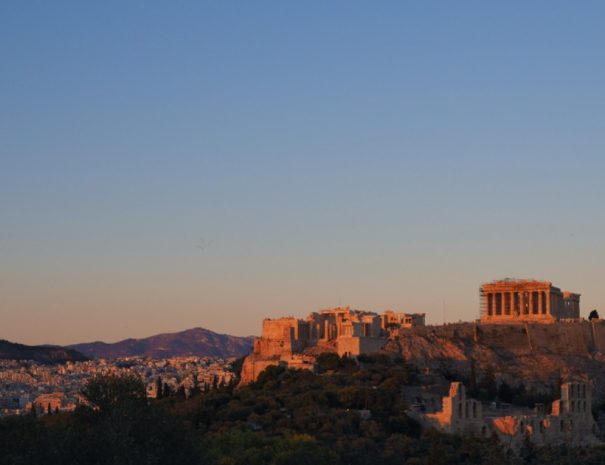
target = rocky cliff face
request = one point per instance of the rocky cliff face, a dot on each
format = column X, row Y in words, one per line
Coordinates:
column 537, row 355
column 196, row 341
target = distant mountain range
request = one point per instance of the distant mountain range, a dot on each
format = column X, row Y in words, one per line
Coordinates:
column 40, row 354
column 196, row 341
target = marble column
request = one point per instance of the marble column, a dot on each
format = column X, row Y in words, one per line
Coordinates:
column 512, row 303
column 540, row 303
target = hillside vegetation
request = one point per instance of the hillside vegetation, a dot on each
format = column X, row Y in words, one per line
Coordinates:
column 350, row 414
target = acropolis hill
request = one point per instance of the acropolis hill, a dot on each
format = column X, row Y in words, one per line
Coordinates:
column 529, row 332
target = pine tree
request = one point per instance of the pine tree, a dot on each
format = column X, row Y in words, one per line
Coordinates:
column 488, row 384
column 528, row 450
column 195, row 390
column 158, row 388
column 167, row 391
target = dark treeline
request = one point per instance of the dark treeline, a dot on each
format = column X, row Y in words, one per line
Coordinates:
column 354, row 415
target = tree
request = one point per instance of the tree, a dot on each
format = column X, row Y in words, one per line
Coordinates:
column 303, row 450
column 166, row 391
column 329, row 361
column 237, row 366
column 107, row 392
column 594, row 315
column 505, row 392
column 488, row 387
column 158, row 388
column 528, row 450
column 195, row 390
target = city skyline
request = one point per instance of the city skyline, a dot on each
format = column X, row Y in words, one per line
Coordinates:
column 205, row 164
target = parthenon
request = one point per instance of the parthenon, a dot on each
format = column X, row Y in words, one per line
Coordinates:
column 510, row 300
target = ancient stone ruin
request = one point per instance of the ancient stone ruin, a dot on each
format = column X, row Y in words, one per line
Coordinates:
column 294, row 342
column 510, row 300
column 570, row 420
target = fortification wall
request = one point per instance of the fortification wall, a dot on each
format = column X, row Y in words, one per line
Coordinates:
column 278, row 328
column 573, row 338
column 253, row 366
column 280, row 336
column 271, row 347
column 352, row 346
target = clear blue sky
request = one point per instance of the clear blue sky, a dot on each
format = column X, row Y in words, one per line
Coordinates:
column 174, row 164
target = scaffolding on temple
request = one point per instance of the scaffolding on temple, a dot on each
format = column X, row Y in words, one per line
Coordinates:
column 482, row 303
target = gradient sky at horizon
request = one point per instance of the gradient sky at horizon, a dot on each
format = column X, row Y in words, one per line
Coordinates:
column 166, row 165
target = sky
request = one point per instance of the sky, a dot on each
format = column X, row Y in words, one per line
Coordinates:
column 167, row 165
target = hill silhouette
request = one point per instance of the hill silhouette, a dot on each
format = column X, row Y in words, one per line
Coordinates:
column 195, row 341
column 41, row 354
